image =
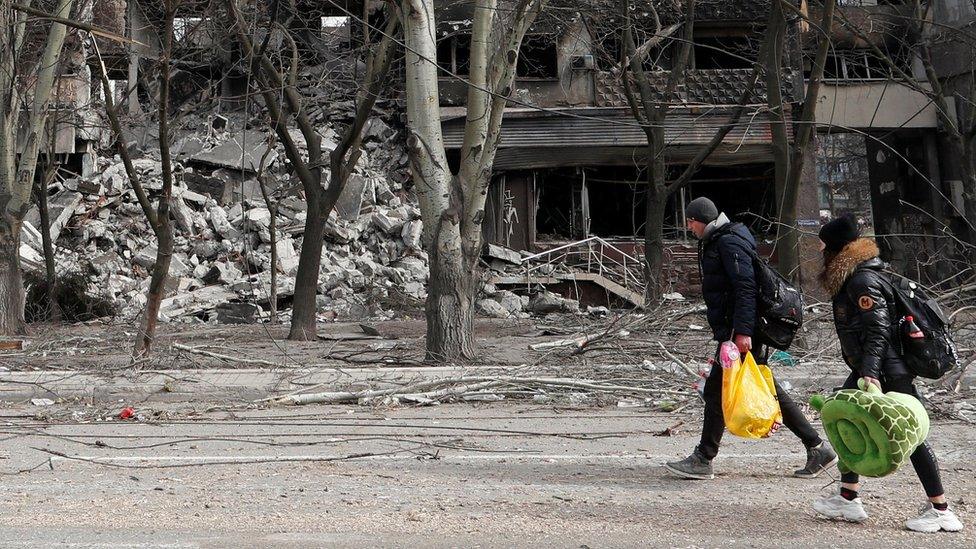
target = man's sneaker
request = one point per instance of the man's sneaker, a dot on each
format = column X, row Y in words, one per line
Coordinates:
column 932, row 520
column 694, row 466
column 837, row 507
column 819, row 458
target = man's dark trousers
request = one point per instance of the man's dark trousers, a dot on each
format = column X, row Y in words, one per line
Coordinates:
column 714, row 425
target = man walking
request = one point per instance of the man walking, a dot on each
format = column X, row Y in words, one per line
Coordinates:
column 725, row 258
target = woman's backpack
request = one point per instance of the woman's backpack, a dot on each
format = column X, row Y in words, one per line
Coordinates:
column 934, row 354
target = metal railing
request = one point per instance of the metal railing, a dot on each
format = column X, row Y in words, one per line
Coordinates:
column 592, row 255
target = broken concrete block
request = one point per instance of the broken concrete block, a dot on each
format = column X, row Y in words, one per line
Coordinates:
column 387, row 224
column 60, row 209
column 186, row 147
column 356, row 279
column 205, row 249
column 509, row 301
column 415, row 267
column 415, row 289
column 224, row 272
column 502, row 253
column 257, row 219
column 378, row 130
column 242, row 151
column 182, row 215
column 351, row 199
column 411, row 234
column 336, row 234
column 287, row 256
column 145, row 257
column 31, row 259
column 178, row 266
column 205, row 185
column 218, row 220
column 491, row 308
column 31, row 236
column 237, row 313
column 547, row 302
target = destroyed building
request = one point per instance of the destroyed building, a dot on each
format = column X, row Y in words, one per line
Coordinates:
column 884, row 150
column 571, row 161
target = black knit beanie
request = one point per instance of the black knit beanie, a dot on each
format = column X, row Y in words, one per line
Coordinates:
column 702, row 209
column 839, row 232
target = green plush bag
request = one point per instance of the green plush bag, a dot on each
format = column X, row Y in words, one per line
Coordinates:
column 873, row 433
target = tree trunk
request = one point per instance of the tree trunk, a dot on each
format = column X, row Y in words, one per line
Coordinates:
column 780, row 142
column 157, row 288
column 788, row 236
column 656, row 206
column 303, row 323
column 54, row 311
column 162, row 225
column 11, row 281
column 450, row 309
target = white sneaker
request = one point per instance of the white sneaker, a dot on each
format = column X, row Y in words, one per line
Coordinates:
column 932, row 520
column 837, row 507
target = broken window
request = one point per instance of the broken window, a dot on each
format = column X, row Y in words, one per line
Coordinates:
column 537, row 58
column 723, row 52
column 187, row 28
column 454, row 55
column 337, row 30
column 862, row 65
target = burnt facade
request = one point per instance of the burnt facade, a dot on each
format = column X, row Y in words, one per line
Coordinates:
column 572, row 157
column 881, row 135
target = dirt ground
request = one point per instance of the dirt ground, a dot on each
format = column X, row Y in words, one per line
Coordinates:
column 499, row 475
column 568, row 470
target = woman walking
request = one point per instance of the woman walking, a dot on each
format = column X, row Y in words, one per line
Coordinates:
column 867, row 327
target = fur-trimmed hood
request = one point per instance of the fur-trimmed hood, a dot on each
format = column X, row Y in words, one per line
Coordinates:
column 843, row 265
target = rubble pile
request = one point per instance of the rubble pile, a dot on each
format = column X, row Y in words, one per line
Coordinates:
column 222, row 225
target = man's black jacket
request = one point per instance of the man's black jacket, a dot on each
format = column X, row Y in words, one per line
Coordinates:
column 725, row 256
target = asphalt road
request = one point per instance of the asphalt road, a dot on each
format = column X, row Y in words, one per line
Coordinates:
column 497, row 475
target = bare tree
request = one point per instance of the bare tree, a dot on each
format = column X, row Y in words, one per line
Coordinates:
column 961, row 130
column 342, row 160
column 789, row 157
column 452, row 205
column 652, row 114
column 158, row 216
column 26, row 83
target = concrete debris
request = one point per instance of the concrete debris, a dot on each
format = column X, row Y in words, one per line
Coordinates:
column 223, row 257
column 221, row 267
column 544, row 303
column 244, row 151
column 491, row 308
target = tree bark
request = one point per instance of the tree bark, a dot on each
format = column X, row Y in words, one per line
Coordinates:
column 657, row 202
column 54, row 310
column 11, row 281
column 17, row 176
column 450, row 308
column 307, row 279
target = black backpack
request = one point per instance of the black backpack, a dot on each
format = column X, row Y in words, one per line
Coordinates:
column 779, row 309
column 934, row 355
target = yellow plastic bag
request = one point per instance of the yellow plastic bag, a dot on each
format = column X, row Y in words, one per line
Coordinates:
column 749, row 399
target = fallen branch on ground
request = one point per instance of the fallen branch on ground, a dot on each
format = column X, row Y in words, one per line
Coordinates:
column 431, row 390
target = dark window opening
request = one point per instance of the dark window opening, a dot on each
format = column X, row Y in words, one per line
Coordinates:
column 537, row 58
column 555, row 216
column 865, row 65
column 724, row 52
column 454, row 55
